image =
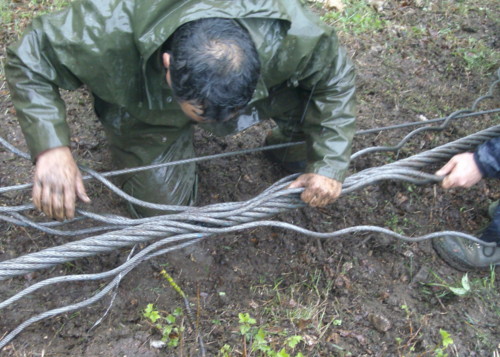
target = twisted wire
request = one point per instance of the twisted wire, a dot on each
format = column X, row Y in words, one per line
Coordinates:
column 441, row 127
column 274, row 200
column 192, row 224
column 425, row 122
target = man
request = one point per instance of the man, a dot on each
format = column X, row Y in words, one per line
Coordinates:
column 465, row 170
column 150, row 64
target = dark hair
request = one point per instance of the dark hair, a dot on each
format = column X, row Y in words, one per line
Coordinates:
column 214, row 64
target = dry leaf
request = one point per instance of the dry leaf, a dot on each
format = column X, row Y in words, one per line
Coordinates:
column 378, row 5
column 334, row 4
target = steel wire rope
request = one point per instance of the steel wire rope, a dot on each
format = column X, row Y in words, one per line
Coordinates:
column 146, row 254
column 157, row 227
column 375, row 229
column 22, row 221
column 424, row 122
column 114, row 188
column 97, row 245
column 73, row 307
column 441, row 127
column 455, row 115
column 423, row 161
column 116, row 280
column 111, row 237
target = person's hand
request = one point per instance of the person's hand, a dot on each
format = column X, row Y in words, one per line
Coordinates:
column 56, row 184
column 318, row 190
column 460, row 171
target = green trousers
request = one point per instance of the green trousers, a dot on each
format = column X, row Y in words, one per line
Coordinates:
column 160, row 137
column 135, row 143
column 150, row 144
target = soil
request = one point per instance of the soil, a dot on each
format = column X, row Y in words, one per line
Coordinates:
column 360, row 295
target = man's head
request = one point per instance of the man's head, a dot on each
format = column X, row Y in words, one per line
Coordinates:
column 213, row 68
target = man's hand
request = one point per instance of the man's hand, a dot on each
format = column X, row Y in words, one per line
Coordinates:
column 318, row 190
column 460, row 171
column 56, row 184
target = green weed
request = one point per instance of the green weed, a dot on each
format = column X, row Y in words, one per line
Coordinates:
column 258, row 340
column 479, row 287
column 166, row 324
column 412, row 341
column 441, row 288
column 446, row 340
column 303, row 305
column 397, row 224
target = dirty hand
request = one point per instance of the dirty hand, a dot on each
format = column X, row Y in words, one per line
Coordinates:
column 56, row 183
column 460, row 171
column 318, row 190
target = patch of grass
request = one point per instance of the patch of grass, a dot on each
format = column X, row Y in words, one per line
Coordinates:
column 304, row 308
column 477, row 56
column 49, row 5
column 5, row 12
column 397, row 224
column 358, row 17
column 477, row 286
column 15, row 16
column 411, row 343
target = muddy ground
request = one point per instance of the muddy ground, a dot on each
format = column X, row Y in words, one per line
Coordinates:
column 360, row 295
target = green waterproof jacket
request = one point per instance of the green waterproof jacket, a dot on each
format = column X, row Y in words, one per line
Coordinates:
column 112, row 47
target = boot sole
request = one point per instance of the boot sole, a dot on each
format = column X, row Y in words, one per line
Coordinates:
column 451, row 259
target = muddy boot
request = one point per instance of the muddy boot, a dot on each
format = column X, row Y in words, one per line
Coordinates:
column 493, row 208
column 292, row 158
column 464, row 255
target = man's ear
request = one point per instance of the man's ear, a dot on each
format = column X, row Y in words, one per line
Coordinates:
column 166, row 60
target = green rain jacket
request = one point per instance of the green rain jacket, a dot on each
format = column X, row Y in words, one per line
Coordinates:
column 112, row 47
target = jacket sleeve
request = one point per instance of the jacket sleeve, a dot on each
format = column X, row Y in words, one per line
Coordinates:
column 63, row 50
column 487, row 157
column 34, row 75
column 330, row 119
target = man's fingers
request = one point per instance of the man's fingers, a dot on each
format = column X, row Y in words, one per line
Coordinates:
column 446, row 169
column 80, row 190
column 299, row 182
column 46, row 201
column 37, row 194
column 315, row 201
column 307, row 195
column 57, row 183
column 58, row 210
column 318, row 197
column 319, row 190
column 446, row 183
column 69, row 202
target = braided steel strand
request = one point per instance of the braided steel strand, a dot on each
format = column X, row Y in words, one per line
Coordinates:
column 132, row 235
column 77, row 306
column 149, row 251
column 417, row 161
column 128, row 266
column 441, row 127
column 272, row 223
column 426, row 122
column 92, row 246
column 445, row 151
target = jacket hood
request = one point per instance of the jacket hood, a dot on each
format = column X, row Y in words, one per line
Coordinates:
column 155, row 21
